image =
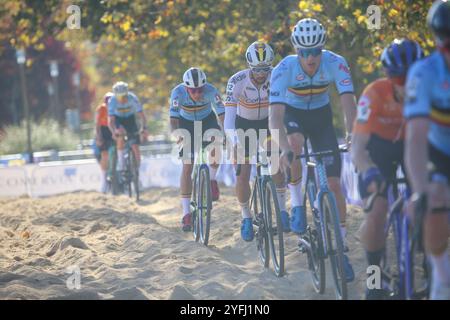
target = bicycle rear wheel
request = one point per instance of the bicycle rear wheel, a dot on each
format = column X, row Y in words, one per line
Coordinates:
column 335, row 244
column 262, row 239
column 204, row 204
column 274, row 226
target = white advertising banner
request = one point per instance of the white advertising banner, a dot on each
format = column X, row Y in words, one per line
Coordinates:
column 50, row 179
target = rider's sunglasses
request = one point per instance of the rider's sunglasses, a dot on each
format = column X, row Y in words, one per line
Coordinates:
column 305, row 53
column 260, row 70
column 195, row 90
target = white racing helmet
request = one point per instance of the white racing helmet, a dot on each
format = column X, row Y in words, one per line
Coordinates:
column 194, row 78
column 308, row 33
column 259, row 54
column 120, row 88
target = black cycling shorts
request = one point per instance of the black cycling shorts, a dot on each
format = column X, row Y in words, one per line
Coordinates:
column 106, row 136
column 439, row 165
column 317, row 126
column 387, row 156
column 257, row 125
column 210, row 122
column 130, row 126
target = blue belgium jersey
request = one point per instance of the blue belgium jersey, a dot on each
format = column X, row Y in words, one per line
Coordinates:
column 290, row 85
column 428, row 95
column 181, row 104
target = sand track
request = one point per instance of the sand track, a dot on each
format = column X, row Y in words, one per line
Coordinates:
column 128, row 250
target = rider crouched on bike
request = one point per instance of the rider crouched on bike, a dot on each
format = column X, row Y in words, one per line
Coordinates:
column 103, row 137
column 123, row 108
column 300, row 102
column 377, row 145
column 247, row 108
column 193, row 102
column 427, row 146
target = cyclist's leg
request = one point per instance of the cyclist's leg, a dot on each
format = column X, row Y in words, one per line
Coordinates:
column 215, row 155
column 323, row 138
column 384, row 155
column 120, row 143
column 187, row 156
column 278, row 179
column 436, row 225
column 296, row 139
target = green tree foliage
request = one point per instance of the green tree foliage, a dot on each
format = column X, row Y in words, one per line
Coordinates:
column 151, row 43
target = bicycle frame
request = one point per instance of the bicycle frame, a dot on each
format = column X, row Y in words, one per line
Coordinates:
column 317, row 169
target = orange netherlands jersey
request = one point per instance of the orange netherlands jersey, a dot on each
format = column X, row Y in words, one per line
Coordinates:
column 379, row 113
column 102, row 115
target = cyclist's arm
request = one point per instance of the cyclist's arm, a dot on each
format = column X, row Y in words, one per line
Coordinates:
column 112, row 124
column 277, row 106
column 360, row 155
column 143, row 119
column 344, row 86
column 174, row 111
column 417, row 109
column 222, row 120
column 231, row 110
column 416, row 153
column 348, row 102
column 276, row 126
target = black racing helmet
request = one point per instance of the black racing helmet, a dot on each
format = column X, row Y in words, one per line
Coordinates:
column 438, row 19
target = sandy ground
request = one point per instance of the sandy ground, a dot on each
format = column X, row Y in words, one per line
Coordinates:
column 129, row 250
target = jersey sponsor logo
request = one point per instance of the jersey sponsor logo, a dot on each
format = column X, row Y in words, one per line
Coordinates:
column 275, row 93
column 175, row 103
column 300, row 77
column 250, row 89
column 363, row 109
column 411, row 89
column 293, row 124
column 345, row 82
column 230, row 87
column 333, row 58
column 344, row 68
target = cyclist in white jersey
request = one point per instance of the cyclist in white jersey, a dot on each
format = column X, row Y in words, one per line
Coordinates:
column 300, row 102
column 247, row 108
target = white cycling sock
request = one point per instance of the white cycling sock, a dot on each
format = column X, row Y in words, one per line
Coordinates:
column 120, row 159
column 213, row 172
column 441, row 268
column 245, row 210
column 343, row 232
column 186, row 204
column 296, row 193
column 281, row 195
column 103, row 186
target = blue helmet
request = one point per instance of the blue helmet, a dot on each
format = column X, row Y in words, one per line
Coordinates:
column 400, row 55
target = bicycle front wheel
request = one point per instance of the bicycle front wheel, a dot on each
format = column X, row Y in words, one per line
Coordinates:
column 335, row 244
column 262, row 238
column 135, row 175
column 204, row 204
column 274, row 227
